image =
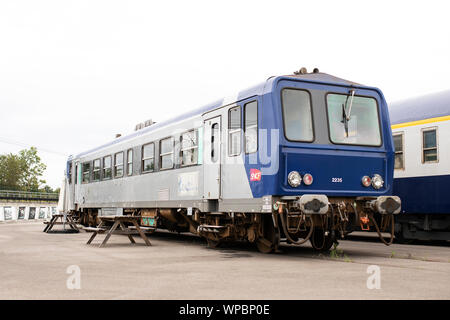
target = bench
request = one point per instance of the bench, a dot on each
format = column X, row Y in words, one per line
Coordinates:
column 119, row 221
column 95, row 229
column 66, row 219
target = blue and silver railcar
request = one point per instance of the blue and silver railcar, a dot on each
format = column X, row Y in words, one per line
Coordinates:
column 300, row 157
column 421, row 133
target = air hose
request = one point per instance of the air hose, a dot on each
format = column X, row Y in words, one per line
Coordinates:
column 379, row 233
column 298, row 242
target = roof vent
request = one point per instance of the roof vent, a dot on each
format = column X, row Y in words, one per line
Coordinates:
column 316, row 70
column 301, row 71
column 139, row 126
column 142, row 125
column 148, row 123
column 118, row 135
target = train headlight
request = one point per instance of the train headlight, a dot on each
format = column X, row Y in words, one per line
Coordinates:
column 294, row 179
column 307, row 179
column 377, row 181
column 366, row 181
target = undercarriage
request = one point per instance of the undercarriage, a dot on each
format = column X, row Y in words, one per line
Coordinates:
column 294, row 220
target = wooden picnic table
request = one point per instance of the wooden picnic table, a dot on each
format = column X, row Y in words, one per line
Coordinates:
column 119, row 221
column 66, row 218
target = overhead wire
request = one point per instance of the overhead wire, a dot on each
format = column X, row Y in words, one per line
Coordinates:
column 22, row 144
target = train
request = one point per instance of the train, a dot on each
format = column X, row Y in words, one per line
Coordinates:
column 301, row 157
column 421, row 134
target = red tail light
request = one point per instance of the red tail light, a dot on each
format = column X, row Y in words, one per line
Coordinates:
column 307, row 179
column 366, row 181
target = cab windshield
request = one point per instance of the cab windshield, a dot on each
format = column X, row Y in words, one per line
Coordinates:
column 353, row 120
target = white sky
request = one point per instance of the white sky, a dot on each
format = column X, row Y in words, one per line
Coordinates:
column 75, row 73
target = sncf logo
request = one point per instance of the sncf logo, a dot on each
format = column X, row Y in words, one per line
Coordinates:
column 255, row 175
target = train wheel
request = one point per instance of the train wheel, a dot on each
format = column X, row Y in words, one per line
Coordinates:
column 321, row 242
column 269, row 242
column 400, row 239
column 213, row 243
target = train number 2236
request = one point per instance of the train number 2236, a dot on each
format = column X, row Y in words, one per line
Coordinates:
column 336, row 180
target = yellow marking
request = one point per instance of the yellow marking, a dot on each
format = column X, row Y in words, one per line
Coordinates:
column 419, row 122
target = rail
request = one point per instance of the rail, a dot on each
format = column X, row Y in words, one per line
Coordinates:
column 28, row 196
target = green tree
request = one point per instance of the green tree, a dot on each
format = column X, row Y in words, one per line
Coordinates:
column 49, row 189
column 22, row 171
column 10, row 172
column 32, row 169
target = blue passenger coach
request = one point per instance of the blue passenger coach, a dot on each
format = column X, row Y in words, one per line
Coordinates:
column 421, row 133
column 300, row 157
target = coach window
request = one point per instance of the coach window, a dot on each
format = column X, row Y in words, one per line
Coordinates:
column 107, row 171
column 398, row 145
column 234, row 131
column 189, row 148
column 166, row 153
column 429, row 145
column 148, row 157
column 297, row 115
column 130, row 162
column 86, row 172
column 118, row 165
column 251, row 127
column 96, row 171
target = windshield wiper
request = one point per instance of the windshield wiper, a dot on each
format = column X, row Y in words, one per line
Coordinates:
column 345, row 114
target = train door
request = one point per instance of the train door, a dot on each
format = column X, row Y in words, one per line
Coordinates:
column 212, row 157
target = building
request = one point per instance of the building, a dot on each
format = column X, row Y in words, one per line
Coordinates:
column 19, row 205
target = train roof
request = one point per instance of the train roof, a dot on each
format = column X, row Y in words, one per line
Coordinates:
column 323, row 77
column 259, row 89
column 423, row 107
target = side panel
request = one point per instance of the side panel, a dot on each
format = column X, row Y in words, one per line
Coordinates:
column 180, row 186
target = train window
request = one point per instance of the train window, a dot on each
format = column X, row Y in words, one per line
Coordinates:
column 69, row 175
column 353, row 120
column 189, row 148
column 107, row 171
column 214, row 142
column 96, row 170
column 130, row 162
column 234, row 131
column 148, row 157
column 166, row 153
column 398, row 145
column 251, row 126
column 118, row 165
column 429, row 145
column 86, row 172
column 297, row 115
